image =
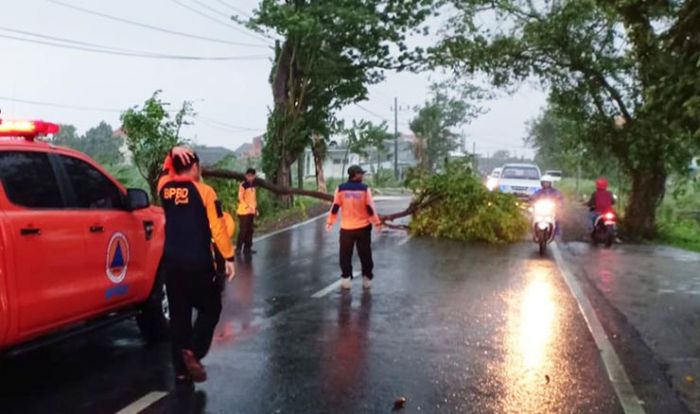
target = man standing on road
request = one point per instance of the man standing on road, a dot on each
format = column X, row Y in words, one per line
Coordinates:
column 193, row 220
column 247, row 210
column 359, row 214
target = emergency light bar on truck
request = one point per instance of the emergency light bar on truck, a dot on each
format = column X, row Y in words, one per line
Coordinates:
column 27, row 129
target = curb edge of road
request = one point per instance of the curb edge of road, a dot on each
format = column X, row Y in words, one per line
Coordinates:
column 630, row 402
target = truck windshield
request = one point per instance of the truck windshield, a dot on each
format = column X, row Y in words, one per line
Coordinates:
column 520, row 173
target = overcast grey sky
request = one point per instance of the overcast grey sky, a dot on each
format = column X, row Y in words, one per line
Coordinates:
column 231, row 97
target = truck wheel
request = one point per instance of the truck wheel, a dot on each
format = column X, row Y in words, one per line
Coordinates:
column 154, row 319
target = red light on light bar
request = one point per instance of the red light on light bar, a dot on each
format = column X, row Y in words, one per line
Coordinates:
column 609, row 216
column 27, row 129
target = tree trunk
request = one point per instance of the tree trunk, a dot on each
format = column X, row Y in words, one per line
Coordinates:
column 318, row 151
column 648, row 188
column 300, row 170
column 284, row 180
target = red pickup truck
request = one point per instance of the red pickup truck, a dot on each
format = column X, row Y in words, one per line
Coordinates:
column 77, row 249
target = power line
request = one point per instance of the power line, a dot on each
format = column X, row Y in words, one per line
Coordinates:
column 225, row 125
column 77, row 45
column 234, row 8
column 151, row 27
column 372, row 113
column 207, row 120
column 214, row 19
column 58, row 105
column 63, row 40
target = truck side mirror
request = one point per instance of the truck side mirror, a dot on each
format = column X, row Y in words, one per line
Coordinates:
column 136, row 199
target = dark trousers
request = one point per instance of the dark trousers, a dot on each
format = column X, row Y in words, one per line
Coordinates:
column 362, row 238
column 187, row 291
column 245, row 235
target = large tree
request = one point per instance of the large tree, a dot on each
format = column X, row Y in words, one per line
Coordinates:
column 329, row 53
column 626, row 70
column 436, row 122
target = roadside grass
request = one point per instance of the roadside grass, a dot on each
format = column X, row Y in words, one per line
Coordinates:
column 303, row 208
column 679, row 216
column 680, row 233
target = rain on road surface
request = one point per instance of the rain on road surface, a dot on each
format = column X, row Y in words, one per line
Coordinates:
column 453, row 327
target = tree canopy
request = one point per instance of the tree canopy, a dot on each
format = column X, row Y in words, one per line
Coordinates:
column 151, row 132
column 435, row 124
column 98, row 142
column 330, row 52
column 625, row 71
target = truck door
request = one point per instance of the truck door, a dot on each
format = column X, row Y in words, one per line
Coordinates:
column 4, row 286
column 48, row 264
column 116, row 246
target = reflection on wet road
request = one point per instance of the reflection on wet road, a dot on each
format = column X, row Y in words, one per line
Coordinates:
column 531, row 327
column 453, row 327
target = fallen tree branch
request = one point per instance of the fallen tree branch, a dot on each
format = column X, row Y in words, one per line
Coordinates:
column 260, row 182
column 416, row 205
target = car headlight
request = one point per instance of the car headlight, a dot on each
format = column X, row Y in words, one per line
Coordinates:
column 491, row 183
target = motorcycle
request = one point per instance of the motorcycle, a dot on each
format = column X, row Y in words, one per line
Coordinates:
column 605, row 229
column 543, row 223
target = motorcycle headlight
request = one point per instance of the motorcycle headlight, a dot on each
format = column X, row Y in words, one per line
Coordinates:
column 544, row 208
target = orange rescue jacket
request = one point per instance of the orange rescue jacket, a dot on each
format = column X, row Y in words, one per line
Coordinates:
column 355, row 198
column 247, row 199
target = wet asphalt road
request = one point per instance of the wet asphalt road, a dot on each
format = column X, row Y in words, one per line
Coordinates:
column 453, row 327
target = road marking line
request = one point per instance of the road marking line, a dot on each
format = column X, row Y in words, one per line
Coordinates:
column 303, row 223
column 404, row 240
column 631, row 404
column 143, row 403
column 330, row 288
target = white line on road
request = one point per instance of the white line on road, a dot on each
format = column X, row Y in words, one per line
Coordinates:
column 303, row 223
column 616, row 372
column 404, row 240
column 155, row 396
column 143, row 403
column 330, row 288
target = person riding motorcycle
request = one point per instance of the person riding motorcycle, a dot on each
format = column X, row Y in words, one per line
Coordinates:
column 549, row 192
column 601, row 200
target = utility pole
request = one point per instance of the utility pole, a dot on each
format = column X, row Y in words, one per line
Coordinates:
column 396, row 138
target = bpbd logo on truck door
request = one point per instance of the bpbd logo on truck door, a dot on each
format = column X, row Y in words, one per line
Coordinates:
column 117, row 264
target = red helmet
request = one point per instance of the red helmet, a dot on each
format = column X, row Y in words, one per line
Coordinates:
column 601, row 183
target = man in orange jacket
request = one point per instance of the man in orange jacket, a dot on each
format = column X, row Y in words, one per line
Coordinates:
column 194, row 228
column 359, row 214
column 247, row 210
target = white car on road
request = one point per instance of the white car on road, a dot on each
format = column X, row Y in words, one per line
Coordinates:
column 555, row 174
column 521, row 180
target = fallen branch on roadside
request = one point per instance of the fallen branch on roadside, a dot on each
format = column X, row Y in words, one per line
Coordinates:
column 415, row 206
column 260, row 182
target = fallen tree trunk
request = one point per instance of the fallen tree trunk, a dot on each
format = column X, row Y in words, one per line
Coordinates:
column 277, row 189
column 415, row 206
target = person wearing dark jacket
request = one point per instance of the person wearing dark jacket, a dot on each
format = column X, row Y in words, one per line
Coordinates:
column 194, row 229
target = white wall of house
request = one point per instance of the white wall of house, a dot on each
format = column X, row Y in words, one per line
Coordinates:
column 333, row 166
